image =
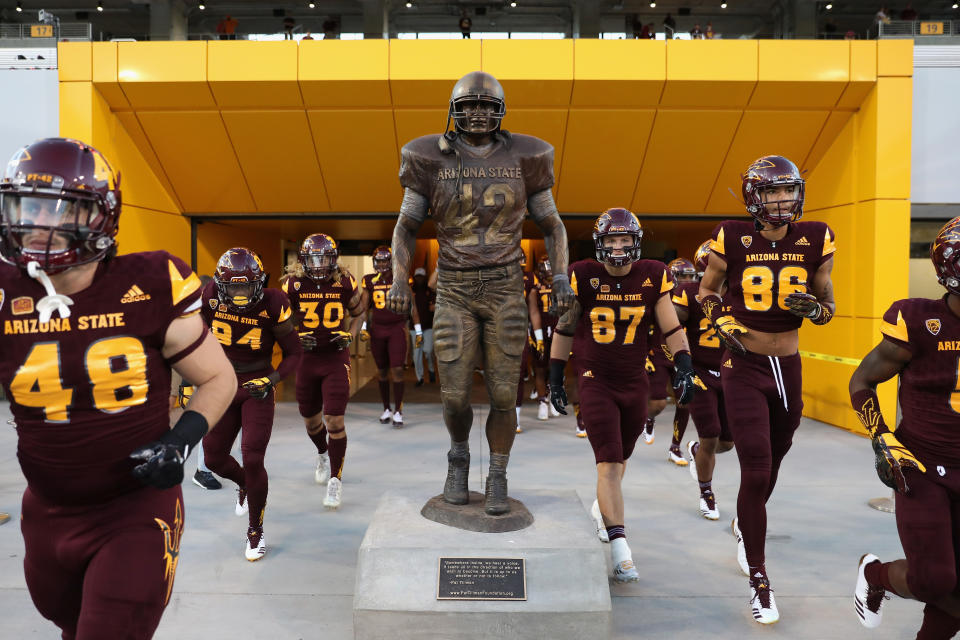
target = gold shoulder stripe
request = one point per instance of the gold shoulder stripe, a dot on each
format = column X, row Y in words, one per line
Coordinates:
column 666, row 284
column 181, row 287
column 828, row 244
column 681, row 299
column 286, row 286
column 897, row 331
column 353, row 282
column 573, row 282
column 375, row 279
column 284, row 314
column 717, row 245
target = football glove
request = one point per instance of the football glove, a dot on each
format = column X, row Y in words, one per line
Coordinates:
column 184, row 393
column 558, row 395
column 804, row 305
column 308, row 341
column 259, row 388
column 418, row 340
column 891, row 459
column 161, row 462
column 685, row 380
column 728, row 329
column 649, row 366
column 342, row 339
column 364, row 335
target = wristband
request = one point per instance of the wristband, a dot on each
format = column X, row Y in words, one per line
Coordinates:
column 867, row 406
column 683, row 361
column 823, row 317
column 538, row 334
column 363, row 327
column 712, row 306
column 418, row 329
column 189, row 430
column 556, row 371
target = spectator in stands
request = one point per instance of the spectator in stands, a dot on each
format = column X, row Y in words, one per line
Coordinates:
column 651, row 31
column 882, row 16
column 331, row 29
column 227, row 28
column 708, row 32
column 309, row 37
column 465, row 24
column 637, row 25
column 288, row 24
column 696, row 33
column 644, row 32
column 669, row 26
column 908, row 13
column 850, row 35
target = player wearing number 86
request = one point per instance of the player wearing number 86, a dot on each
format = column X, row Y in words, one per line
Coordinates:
column 88, row 341
column 777, row 270
column 248, row 319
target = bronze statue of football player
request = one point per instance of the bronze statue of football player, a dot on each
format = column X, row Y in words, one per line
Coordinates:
column 478, row 182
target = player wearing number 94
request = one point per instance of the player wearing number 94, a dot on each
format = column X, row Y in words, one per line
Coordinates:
column 778, row 272
column 920, row 341
column 88, row 341
column 248, row 318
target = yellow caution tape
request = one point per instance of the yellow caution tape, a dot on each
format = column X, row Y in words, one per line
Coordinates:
column 830, row 358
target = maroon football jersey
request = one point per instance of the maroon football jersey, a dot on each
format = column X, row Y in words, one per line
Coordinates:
column 547, row 319
column 930, row 383
column 478, row 211
column 324, row 306
column 378, row 285
column 611, row 337
column 248, row 336
column 89, row 389
column 761, row 273
column 705, row 345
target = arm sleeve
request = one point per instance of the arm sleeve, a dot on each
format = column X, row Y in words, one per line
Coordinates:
column 894, row 326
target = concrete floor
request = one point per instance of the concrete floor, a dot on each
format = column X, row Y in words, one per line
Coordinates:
column 690, row 585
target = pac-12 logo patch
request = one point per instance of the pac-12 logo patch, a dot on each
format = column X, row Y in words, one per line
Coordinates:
column 594, row 282
column 747, row 241
column 296, row 286
column 213, row 303
column 933, row 325
column 21, row 306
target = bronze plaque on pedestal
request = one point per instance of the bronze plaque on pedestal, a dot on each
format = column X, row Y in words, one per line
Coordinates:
column 482, row 579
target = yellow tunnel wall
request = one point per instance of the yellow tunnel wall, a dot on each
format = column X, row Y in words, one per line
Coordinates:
column 664, row 128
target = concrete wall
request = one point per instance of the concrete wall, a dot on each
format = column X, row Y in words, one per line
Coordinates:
column 30, row 108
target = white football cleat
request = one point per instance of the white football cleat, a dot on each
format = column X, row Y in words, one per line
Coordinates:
column 386, row 417
column 867, row 598
column 256, row 544
column 397, row 420
column 625, row 571
column 519, row 428
column 533, row 394
column 581, row 433
column 708, row 506
column 241, row 508
column 598, row 520
column 763, row 606
column 648, row 433
column 553, row 410
column 676, row 457
column 692, row 462
column 741, row 549
column 543, row 411
column 322, row 474
column 334, row 492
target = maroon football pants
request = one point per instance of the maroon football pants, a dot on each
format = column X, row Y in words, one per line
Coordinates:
column 103, row 570
column 614, row 412
column 708, row 410
column 763, row 398
column 388, row 344
column 256, row 417
column 323, row 384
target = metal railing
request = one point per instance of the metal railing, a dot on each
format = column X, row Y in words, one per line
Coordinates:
column 919, row 28
column 81, row 31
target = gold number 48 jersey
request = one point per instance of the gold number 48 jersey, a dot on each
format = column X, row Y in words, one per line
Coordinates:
column 88, row 389
column 478, row 196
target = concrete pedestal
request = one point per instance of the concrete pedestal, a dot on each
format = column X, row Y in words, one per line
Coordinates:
column 568, row 594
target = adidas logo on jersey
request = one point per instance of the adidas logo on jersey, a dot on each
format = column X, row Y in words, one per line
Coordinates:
column 647, row 283
column 588, row 373
column 728, row 363
column 803, row 242
column 135, row 294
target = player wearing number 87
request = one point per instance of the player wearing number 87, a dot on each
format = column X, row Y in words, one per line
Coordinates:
column 778, row 273
column 88, row 384
column 248, row 319
column 618, row 297
column 920, row 341
column 324, row 299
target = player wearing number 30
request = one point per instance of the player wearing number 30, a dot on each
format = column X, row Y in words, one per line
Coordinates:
column 322, row 300
column 248, row 319
column 618, row 297
column 88, row 341
column 778, row 273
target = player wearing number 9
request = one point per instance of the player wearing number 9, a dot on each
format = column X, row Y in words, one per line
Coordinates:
column 777, row 270
column 88, row 375
column 920, row 342
column 248, row 318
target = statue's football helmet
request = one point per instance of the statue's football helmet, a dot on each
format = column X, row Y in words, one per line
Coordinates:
column 476, row 86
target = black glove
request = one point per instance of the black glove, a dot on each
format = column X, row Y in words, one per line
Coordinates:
column 558, row 395
column 342, row 339
column 685, row 380
column 307, row 340
column 891, row 459
column 162, row 461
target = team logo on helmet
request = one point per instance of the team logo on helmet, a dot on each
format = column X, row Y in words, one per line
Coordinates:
column 747, row 241
column 933, row 325
column 594, row 282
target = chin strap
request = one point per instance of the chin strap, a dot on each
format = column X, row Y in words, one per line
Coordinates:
column 53, row 301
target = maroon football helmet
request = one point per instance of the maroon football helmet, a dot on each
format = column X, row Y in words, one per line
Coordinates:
column 318, row 255
column 382, row 259
column 615, row 222
column 764, row 174
column 682, row 270
column 945, row 254
column 240, row 278
column 702, row 257
column 544, row 270
column 59, row 206
column 476, row 86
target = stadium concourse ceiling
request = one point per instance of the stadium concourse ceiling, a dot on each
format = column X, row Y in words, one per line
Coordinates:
column 281, row 128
